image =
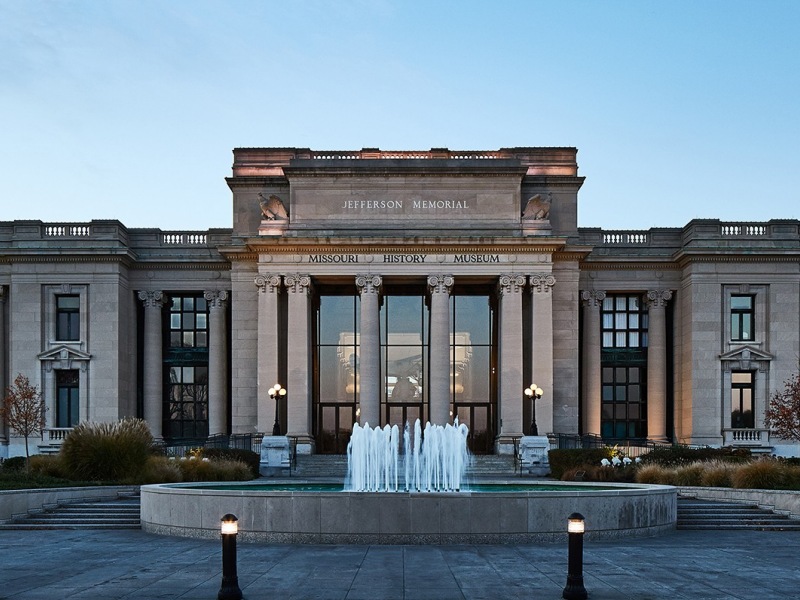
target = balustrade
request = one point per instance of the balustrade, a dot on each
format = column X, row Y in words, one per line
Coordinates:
column 745, row 437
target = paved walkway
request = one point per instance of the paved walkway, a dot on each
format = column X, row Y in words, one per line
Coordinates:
column 51, row 565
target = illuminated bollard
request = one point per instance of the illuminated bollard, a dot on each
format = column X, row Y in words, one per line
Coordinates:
column 574, row 589
column 230, row 580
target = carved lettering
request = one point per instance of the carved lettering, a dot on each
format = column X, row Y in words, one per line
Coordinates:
column 404, row 258
column 476, row 258
column 333, row 258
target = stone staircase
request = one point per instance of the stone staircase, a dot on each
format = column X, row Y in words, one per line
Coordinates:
column 335, row 466
column 694, row 513
column 120, row 513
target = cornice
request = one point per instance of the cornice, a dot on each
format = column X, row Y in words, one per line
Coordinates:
column 427, row 249
column 629, row 266
column 49, row 258
column 189, row 266
column 740, row 258
column 554, row 180
column 256, row 181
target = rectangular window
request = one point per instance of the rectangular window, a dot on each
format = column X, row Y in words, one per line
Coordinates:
column 624, row 410
column 67, row 398
column 187, row 408
column 742, row 393
column 624, row 322
column 742, row 318
column 188, row 322
column 68, row 318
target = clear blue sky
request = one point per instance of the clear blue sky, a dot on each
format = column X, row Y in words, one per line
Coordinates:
column 129, row 110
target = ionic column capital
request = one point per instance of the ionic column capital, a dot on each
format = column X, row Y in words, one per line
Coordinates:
column 298, row 283
column 510, row 284
column 440, row 284
column 216, row 298
column 369, row 284
column 152, row 299
column 658, row 298
column 542, row 283
column 268, row 284
column 593, row 298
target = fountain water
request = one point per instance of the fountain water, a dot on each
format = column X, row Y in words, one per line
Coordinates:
column 435, row 461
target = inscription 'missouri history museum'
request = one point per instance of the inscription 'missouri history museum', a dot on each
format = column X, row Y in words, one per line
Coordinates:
column 405, row 258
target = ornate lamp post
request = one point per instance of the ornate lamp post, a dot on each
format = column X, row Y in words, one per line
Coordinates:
column 534, row 393
column 276, row 392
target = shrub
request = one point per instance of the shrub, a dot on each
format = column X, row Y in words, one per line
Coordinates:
column 674, row 456
column 793, row 478
column 576, row 458
column 248, row 457
column 107, row 451
column 15, row 463
column 160, row 469
column 49, row 465
column 717, row 473
column 199, row 469
column 655, row 473
column 760, row 475
column 690, row 474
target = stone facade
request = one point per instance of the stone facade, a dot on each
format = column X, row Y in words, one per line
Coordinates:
column 384, row 286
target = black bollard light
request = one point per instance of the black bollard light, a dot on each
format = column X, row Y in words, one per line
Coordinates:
column 574, row 589
column 230, row 580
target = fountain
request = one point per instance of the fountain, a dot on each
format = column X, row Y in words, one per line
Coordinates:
column 436, row 464
column 388, row 499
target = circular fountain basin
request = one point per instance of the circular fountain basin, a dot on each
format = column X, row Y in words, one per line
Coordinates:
column 506, row 512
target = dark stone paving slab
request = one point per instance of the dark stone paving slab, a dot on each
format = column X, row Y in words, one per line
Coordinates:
column 696, row 565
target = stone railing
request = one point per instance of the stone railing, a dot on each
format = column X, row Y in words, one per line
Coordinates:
column 744, row 229
column 367, row 153
column 55, row 435
column 184, row 238
column 68, row 230
column 745, row 437
column 627, row 238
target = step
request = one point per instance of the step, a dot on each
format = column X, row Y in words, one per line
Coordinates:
column 45, row 527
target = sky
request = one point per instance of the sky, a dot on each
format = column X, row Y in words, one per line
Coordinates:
column 130, row 109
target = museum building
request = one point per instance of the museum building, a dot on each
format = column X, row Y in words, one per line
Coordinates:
column 383, row 287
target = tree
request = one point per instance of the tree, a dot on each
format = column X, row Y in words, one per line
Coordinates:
column 23, row 410
column 783, row 411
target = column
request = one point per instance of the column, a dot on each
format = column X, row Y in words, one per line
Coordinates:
column 3, row 346
column 217, row 363
column 511, row 385
column 369, row 370
column 657, row 364
column 269, row 286
column 542, row 347
column 298, row 358
column 152, row 364
column 592, row 373
column 439, row 287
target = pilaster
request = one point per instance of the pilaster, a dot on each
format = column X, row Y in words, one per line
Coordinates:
column 268, row 289
column 153, row 302
column 217, row 362
column 511, row 385
column 656, row 364
column 592, row 373
column 439, row 287
column 542, row 350
column 369, row 370
column 298, row 359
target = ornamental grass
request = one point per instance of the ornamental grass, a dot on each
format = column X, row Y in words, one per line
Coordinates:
column 107, row 451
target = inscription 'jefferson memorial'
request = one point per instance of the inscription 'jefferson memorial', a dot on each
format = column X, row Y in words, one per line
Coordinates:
column 398, row 204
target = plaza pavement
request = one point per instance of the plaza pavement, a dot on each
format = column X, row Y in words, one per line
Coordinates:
column 697, row 565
